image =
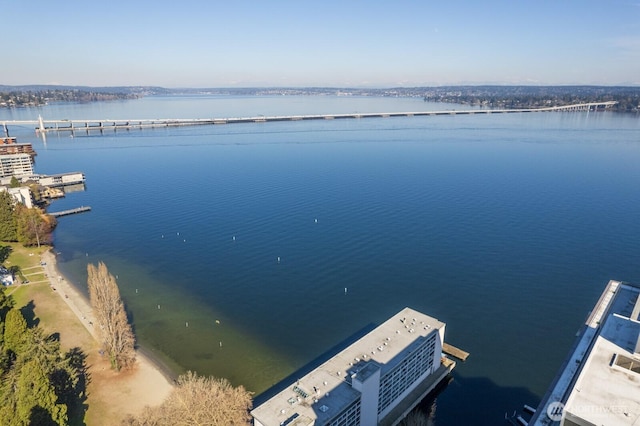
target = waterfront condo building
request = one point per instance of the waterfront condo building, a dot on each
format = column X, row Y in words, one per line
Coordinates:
column 598, row 384
column 375, row 381
column 16, row 165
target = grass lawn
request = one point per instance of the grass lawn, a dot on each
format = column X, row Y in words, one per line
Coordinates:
column 43, row 307
column 110, row 395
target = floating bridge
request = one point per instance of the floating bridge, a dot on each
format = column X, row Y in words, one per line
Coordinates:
column 43, row 126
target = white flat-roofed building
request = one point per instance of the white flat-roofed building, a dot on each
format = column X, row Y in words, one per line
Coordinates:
column 61, row 179
column 20, row 195
column 376, row 380
column 16, row 165
column 599, row 384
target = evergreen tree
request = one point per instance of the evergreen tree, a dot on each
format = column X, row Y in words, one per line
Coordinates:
column 6, row 303
column 16, row 333
column 36, row 397
column 9, row 398
column 8, row 228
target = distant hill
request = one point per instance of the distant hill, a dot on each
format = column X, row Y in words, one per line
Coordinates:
column 628, row 97
column 105, row 89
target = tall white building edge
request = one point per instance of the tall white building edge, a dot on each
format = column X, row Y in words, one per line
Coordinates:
column 599, row 383
column 375, row 381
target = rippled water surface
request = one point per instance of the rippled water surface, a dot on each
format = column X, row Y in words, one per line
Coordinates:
column 506, row 227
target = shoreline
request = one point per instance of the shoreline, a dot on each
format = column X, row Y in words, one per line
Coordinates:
column 150, row 380
column 83, row 314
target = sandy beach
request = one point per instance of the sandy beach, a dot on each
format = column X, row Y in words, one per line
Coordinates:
column 112, row 396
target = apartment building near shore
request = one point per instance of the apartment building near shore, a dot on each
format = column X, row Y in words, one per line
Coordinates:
column 377, row 380
column 599, row 383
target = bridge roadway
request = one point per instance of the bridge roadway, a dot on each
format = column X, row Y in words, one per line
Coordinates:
column 96, row 124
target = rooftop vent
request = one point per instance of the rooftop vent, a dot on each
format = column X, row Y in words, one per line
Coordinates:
column 627, row 363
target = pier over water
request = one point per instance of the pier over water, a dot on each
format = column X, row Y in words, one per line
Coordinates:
column 77, row 210
column 43, row 126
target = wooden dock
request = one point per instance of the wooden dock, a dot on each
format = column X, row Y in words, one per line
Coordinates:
column 455, row 352
column 70, row 211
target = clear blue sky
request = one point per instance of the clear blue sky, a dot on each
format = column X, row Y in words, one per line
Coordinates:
column 192, row 43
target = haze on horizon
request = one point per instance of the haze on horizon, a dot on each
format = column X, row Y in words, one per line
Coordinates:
column 196, row 43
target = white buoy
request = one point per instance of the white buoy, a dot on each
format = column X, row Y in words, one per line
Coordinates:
column 186, row 324
column 158, row 306
column 316, row 220
column 345, row 290
column 278, row 259
column 162, row 235
column 177, row 233
column 234, row 238
column 136, row 291
column 220, row 344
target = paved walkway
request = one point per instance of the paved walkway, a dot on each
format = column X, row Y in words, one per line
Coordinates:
column 77, row 302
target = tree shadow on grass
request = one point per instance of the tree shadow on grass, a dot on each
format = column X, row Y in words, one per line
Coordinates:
column 29, row 314
column 71, row 386
column 40, row 416
column 5, row 251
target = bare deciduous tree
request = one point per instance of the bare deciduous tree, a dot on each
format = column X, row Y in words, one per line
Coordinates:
column 117, row 337
column 199, row 401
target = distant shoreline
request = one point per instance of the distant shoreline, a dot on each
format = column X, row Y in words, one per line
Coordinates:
column 489, row 96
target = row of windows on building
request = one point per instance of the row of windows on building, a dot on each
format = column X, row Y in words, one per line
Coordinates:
column 20, row 164
column 349, row 417
column 395, row 382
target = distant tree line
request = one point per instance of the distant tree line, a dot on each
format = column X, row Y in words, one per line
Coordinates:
column 24, row 98
column 490, row 96
column 507, row 97
column 39, row 384
column 18, row 223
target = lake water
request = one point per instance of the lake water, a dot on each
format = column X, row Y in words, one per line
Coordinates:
column 506, row 227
